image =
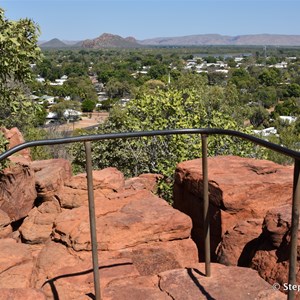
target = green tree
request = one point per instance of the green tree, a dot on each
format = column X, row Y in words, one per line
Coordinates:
column 269, row 77
column 18, row 49
column 158, row 110
column 293, row 90
column 217, row 78
column 242, row 79
column 117, row 89
column 289, row 136
column 259, row 116
column 88, row 105
column 158, row 71
column 290, row 107
column 267, row 96
column 210, row 59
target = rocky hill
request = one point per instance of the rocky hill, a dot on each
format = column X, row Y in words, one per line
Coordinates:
column 54, row 43
column 216, row 39
column 107, row 40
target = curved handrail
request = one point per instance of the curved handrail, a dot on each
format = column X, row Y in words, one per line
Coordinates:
column 204, row 132
column 124, row 135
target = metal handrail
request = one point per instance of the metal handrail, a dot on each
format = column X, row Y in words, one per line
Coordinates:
column 204, row 132
column 126, row 135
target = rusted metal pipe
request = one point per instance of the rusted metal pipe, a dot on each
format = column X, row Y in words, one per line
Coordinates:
column 293, row 270
column 206, row 219
column 92, row 216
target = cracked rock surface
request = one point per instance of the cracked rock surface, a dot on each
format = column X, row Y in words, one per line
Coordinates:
column 144, row 246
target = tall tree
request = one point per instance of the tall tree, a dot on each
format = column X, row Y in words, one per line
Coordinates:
column 18, row 50
column 160, row 109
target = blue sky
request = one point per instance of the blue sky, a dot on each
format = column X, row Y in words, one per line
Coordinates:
column 81, row 19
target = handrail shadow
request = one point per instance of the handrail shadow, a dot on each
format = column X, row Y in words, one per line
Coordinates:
column 51, row 281
column 198, row 284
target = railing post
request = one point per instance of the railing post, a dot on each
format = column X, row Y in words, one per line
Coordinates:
column 206, row 218
column 294, row 230
column 92, row 216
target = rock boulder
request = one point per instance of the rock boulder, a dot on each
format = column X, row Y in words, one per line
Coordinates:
column 17, row 191
column 15, row 137
column 271, row 257
column 241, row 190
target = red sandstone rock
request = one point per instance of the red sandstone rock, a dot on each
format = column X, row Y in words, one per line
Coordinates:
column 4, row 219
column 243, row 188
column 239, row 184
column 59, row 271
column 191, row 284
column 16, row 264
column 18, row 276
column 243, row 236
column 72, row 198
column 74, row 193
column 109, row 179
column 144, row 181
column 142, row 219
column 106, row 182
column 17, row 191
column 270, row 268
column 277, row 224
column 6, row 231
column 5, row 228
column 71, row 274
column 15, row 138
column 21, row 294
column 225, row 283
column 271, row 258
column 106, row 179
column 153, row 258
column 37, row 227
column 134, row 288
column 50, row 176
column 143, row 244
column 12, row 254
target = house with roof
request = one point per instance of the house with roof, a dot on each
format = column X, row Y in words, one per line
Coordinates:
column 49, row 99
column 266, row 131
column 60, row 81
column 288, row 119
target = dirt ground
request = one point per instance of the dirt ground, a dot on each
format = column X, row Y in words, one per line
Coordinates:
column 90, row 119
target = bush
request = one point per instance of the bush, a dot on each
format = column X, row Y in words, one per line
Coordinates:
column 3, row 148
column 158, row 110
column 88, row 106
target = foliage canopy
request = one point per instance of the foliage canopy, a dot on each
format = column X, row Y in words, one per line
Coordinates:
column 18, row 50
column 157, row 110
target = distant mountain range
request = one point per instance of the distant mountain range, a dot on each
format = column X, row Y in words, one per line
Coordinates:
column 107, row 40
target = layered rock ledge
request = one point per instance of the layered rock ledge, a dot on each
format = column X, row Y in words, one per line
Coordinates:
column 46, row 236
column 250, row 212
column 145, row 248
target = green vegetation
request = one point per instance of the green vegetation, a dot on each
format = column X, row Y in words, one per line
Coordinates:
column 3, row 144
column 88, row 105
column 157, row 110
column 18, row 50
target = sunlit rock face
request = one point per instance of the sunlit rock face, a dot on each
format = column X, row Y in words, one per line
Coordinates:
column 250, row 210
